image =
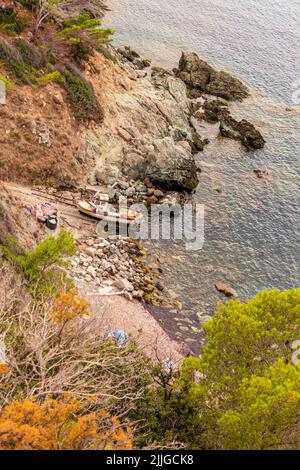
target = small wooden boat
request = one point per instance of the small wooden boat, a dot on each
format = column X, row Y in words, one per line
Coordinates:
column 100, row 209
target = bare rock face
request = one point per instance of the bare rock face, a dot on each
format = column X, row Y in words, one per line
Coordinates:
column 199, row 76
column 167, row 164
column 147, row 122
column 172, row 167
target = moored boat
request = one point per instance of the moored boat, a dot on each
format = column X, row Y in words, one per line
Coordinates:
column 100, row 209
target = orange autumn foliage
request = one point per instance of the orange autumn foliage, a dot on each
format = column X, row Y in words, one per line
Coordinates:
column 69, row 306
column 58, row 425
column 4, row 369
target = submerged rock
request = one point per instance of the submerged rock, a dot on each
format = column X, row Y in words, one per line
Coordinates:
column 243, row 130
column 261, row 173
column 198, row 75
column 226, row 289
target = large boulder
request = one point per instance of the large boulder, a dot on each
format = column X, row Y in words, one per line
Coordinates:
column 194, row 71
column 172, row 167
column 243, row 130
column 167, row 164
column 199, row 76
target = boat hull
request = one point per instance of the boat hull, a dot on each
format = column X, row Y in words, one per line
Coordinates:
column 109, row 218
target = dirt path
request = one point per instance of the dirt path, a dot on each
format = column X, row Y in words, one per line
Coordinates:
column 68, row 214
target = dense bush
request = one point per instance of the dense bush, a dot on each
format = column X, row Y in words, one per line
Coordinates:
column 84, row 33
column 31, row 55
column 60, row 425
column 12, row 60
column 243, row 391
column 10, row 22
column 43, row 267
column 82, row 98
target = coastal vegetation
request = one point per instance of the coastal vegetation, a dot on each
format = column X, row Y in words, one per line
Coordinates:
column 39, row 62
column 81, row 97
column 64, row 383
column 241, row 393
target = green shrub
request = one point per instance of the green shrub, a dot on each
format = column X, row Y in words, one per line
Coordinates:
column 26, row 62
column 32, row 56
column 10, row 22
column 9, row 85
column 82, row 98
column 12, row 60
column 81, row 52
column 84, row 28
column 43, row 268
column 242, row 392
column 50, row 77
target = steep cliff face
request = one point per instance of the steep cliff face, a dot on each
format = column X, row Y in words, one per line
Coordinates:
column 70, row 120
column 39, row 137
column 41, row 141
column 145, row 118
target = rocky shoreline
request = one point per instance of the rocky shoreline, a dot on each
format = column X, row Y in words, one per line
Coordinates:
column 142, row 150
column 118, row 265
column 149, row 128
column 144, row 153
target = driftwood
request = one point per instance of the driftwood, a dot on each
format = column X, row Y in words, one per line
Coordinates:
column 98, row 294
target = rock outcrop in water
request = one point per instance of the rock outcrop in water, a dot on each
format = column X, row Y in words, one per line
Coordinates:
column 243, row 130
column 217, row 110
column 200, row 77
column 213, row 110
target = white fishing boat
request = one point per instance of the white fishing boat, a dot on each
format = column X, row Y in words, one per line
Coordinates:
column 100, row 209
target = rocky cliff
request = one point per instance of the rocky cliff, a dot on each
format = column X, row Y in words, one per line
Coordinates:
column 67, row 122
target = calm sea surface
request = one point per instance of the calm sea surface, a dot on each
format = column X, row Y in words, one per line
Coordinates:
column 252, row 225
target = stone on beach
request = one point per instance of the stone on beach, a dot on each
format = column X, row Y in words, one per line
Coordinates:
column 123, row 284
